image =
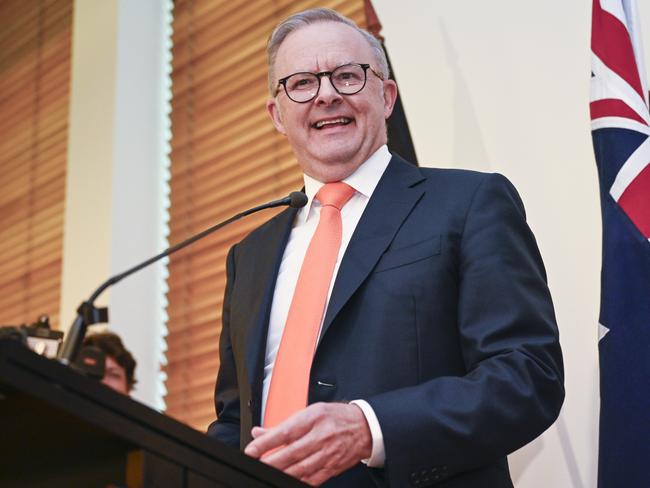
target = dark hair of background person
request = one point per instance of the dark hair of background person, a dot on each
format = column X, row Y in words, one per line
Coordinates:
column 112, row 346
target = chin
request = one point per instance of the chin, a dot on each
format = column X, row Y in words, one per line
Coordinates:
column 338, row 153
column 331, row 171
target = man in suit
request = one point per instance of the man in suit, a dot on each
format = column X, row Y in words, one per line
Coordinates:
column 435, row 351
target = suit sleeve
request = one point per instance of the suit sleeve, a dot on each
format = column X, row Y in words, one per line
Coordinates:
column 513, row 386
column 227, row 426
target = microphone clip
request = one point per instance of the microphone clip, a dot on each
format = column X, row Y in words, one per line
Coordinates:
column 92, row 314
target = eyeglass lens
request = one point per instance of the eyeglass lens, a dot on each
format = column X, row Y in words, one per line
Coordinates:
column 347, row 79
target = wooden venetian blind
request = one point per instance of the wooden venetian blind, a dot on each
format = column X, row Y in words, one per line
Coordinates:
column 35, row 40
column 226, row 156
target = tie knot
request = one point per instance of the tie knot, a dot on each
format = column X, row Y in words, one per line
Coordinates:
column 335, row 194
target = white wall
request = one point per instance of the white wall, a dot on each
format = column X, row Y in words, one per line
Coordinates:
column 140, row 190
column 115, row 190
column 504, row 86
column 86, row 233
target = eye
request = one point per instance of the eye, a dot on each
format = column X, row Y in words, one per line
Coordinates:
column 301, row 81
column 114, row 373
column 348, row 75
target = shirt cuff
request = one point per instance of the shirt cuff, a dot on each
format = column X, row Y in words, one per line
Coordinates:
column 378, row 455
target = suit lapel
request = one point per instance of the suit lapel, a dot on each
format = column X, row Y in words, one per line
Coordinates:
column 390, row 204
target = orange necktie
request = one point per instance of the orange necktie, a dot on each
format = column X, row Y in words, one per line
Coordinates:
column 290, row 380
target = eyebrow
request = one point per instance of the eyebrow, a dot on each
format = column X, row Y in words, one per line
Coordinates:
column 319, row 71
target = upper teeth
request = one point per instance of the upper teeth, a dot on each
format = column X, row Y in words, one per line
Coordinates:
column 340, row 120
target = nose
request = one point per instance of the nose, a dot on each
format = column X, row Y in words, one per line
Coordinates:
column 327, row 94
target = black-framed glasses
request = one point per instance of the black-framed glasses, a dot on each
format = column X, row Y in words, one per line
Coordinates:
column 347, row 79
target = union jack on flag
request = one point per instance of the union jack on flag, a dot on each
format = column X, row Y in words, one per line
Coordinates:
column 620, row 122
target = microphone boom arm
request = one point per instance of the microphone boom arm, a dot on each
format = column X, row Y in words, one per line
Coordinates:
column 88, row 314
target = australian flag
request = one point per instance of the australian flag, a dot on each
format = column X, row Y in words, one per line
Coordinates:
column 620, row 123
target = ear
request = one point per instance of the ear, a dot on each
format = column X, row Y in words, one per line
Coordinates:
column 390, row 97
column 274, row 112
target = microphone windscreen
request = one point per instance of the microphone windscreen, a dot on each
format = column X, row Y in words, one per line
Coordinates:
column 298, row 199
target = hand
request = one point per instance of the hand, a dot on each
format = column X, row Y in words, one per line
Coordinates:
column 316, row 443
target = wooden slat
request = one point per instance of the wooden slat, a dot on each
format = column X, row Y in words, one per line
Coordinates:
column 33, row 291
column 51, row 190
column 26, row 65
column 19, row 268
column 20, row 18
column 20, row 161
column 188, row 397
column 37, row 231
column 34, row 98
column 19, row 209
column 42, row 281
column 23, row 137
column 22, row 100
column 195, row 374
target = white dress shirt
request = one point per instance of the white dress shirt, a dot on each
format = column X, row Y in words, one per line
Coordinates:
column 364, row 180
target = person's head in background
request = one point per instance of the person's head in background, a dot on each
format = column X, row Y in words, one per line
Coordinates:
column 119, row 372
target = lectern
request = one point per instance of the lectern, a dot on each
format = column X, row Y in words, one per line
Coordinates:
column 59, row 428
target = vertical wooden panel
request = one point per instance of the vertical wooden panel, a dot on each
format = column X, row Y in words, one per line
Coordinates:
column 35, row 40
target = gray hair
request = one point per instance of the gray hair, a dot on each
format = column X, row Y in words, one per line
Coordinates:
column 314, row 16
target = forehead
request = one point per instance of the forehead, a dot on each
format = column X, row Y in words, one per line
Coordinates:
column 112, row 364
column 320, row 47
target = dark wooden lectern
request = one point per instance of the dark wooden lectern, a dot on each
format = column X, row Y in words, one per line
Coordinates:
column 59, row 428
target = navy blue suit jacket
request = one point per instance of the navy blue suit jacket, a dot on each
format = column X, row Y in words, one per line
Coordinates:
column 440, row 318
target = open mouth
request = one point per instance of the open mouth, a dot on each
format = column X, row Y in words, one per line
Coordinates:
column 339, row 121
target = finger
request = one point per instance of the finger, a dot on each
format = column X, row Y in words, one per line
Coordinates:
column 270, row 439
column 319, row 477
column 323, row 465
column 294, row 452
column 258, row 431
column 313, row 469
column 267, row 441
column 321, row 439
column 286, row 432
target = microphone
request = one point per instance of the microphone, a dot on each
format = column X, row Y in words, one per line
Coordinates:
column 297, row 199
column 88, row 314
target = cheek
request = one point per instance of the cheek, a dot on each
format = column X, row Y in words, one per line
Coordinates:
column 120, row 386
column 372, row 110
column 291, row 120
column 117, row 384
column 376, row 117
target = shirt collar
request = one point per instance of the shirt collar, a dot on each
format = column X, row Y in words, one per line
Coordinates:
column 364, row 179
